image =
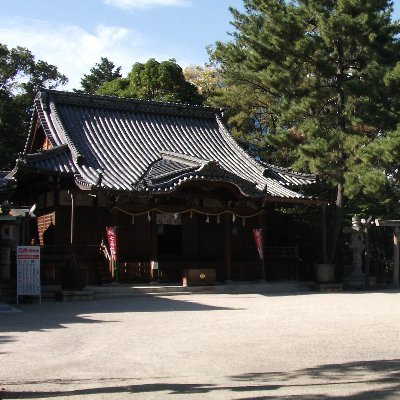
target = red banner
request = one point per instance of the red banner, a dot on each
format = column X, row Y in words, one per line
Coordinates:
column 258, row 237
column 112, row 240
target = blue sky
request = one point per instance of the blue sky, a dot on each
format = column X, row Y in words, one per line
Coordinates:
column 74, row 34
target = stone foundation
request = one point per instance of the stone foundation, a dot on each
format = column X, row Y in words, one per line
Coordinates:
column 74, row 295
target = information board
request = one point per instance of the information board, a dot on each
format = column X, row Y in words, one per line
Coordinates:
column 28, row 271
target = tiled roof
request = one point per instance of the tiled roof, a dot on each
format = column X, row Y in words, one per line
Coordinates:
column 56, row 160
column 136, row 145
column 287, row 177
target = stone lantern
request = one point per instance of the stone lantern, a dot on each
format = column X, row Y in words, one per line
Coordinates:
column 357, row 277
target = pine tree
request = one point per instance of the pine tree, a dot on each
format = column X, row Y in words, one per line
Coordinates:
column 321, row 67
column 103, row 71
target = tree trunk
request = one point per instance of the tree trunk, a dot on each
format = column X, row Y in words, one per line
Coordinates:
column 338, row 222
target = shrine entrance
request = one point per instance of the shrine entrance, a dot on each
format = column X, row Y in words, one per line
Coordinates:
column 169, row 240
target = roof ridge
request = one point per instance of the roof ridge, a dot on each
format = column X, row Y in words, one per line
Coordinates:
column 134, row 104
column 57, row 120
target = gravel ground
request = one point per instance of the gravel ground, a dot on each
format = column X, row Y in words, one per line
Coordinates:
column 208, row 346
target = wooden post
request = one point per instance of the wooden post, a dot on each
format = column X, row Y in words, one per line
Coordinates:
column 324, row 246
column 367, row 255
column 73, row 262
column 228, row 256
column 154, row 273
column 396, row 256
column 73, row 219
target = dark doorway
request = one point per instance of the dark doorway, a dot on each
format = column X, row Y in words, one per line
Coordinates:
column 169, row 239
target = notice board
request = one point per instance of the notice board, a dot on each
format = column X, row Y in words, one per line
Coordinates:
column 28, row 271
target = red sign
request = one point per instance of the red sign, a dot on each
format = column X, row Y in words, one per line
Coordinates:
column 258, row 237
column 112, row 240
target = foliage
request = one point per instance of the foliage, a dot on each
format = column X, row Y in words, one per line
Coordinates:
column 20, row 77
column 325, row 72
column 207, row 79
column 376, row 175
column 153, row 80
column 103, row 71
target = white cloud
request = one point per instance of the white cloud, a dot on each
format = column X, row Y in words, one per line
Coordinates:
column 75, row 50
column 126, row 4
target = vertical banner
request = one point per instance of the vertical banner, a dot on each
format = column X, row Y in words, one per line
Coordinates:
column 112, row 241
column 258, row 237
column 28, row 271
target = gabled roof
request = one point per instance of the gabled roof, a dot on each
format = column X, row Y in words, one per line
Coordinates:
column 142, row 146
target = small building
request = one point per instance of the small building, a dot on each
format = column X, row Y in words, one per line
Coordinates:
column 169, row 177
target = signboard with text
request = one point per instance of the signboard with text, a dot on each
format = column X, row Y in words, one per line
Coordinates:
column 28, row 271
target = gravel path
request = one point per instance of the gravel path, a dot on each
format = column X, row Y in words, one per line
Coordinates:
column 208, row 346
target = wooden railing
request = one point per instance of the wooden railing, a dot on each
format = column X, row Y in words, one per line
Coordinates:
column 282, row 252
column 55, row 258
column 134, row 271
column 246, row 271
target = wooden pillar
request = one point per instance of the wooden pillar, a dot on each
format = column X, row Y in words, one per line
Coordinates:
column 367, row 254
column 72, row 230
column 324, row 246
column 396, row 248
column 228, row 255
column 73, row 219
column 154, row 277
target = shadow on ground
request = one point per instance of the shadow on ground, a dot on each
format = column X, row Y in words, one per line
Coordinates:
column 53, row 315
column 378, row 380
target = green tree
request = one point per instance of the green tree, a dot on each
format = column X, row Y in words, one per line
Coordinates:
column 103, row 71
column 20, row 77
column 321, row 68
column 153, row 80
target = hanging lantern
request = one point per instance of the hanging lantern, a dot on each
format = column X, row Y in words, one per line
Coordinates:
column 148, row 216
column 233, row 217
column 207, row 219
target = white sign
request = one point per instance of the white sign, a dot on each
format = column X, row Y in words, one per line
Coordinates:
column 28, row 271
